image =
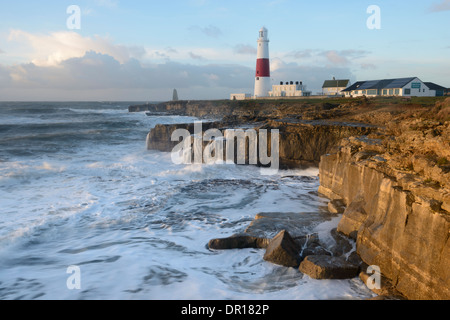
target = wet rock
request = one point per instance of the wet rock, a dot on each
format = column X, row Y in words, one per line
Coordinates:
column 353, row 218
column 327, row 267
column 336, row 206
column 310, row 245
column 342, row 244
column 298, row 224
column 241, row 241
column 283, row 250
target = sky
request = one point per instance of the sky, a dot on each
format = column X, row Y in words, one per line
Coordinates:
column 206, row 49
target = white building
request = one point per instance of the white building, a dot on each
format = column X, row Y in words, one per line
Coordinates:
column 289, row 89
column 334, row 87
column 240, row 96
column 402, row 87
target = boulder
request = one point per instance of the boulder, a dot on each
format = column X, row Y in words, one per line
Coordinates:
column 327, row 267
column 310, row 245
column 298, row 224
column 342, row 246
column 283, row 250
column 240, row 241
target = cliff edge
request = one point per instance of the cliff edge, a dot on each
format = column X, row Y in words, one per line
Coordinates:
column 396, row 187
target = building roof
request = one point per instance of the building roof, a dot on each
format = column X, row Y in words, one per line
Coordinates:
column 434, row 86
column 380, row 84
column 336, row 83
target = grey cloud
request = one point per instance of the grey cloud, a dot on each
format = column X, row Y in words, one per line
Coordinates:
column 196, row 56
column 334, row 57
column 302, row 54
column 96, row 72
column 368, row 66
column 245, row 49
column 311, row 76
column 444, row 5
column 210, row 31
column 343, row 57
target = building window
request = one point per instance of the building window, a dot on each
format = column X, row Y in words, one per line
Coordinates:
column 364, row 92
column 391, row 92
column 397, row 92
column 356, row 92
column 407, row 91
column 257, row 78
column 372, row 92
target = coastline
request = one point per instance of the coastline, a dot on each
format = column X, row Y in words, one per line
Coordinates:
column 382, row 163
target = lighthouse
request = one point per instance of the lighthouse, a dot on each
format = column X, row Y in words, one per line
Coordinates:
column 262, row 80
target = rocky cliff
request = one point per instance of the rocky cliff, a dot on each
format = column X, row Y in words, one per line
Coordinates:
column 386, row 161
column 308, row 129
column 395, row 185
column 301, row 143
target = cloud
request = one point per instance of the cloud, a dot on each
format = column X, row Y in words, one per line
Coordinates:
column 210, row 31
column 52, row 49
column 311, row 76
column 301, row 54
column 444, row 5
column 95, row 74
column 195, row 56
column 335, row 58
column 343, row 57
column 1, row 51
column 339, row 58
column 245, row 49
column 368, row 66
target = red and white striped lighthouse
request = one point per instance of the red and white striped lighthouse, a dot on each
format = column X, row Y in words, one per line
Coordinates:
column 262, row 81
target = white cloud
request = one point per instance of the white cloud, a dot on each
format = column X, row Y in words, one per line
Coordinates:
column 52, row 49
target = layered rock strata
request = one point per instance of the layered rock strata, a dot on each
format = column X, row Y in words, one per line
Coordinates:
column 397, row 205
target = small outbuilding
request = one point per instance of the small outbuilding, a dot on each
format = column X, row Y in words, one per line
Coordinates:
column 334, row 87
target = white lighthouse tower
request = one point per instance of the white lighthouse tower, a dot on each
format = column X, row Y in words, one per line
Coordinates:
column 262, row 81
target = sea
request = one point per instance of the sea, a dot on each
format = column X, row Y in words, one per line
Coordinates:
column 88, row 213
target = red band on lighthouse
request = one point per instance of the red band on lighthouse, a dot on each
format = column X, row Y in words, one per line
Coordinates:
column 263, row 68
